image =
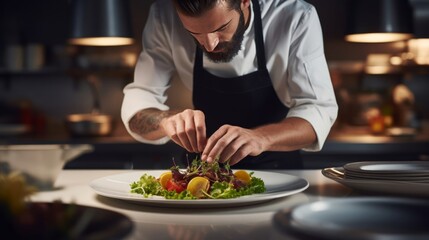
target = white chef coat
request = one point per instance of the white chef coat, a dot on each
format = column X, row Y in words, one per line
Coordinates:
column 294, row 56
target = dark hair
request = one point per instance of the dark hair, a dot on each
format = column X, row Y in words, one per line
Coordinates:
column 195, row 8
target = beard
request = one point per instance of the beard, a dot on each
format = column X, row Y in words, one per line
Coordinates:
column 226, row 51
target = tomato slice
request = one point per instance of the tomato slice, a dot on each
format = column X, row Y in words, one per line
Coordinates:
column 173, row 186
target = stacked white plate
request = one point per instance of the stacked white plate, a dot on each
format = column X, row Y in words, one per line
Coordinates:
column 406, row 178
column 355, row 218
column 409, row 171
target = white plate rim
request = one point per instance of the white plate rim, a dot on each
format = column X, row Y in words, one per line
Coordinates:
column 357, row 167
column 273, row 191
column 379, row 186
column 284, row 220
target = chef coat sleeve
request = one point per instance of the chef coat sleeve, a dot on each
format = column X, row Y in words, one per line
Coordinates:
column 153, row 72
column 311, row 92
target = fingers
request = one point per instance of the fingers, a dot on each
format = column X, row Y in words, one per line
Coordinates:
column 170, row 129
column 228, row 143
column 238, row 155
column 231, row 143
column 200, row 126
column 187, row 129
column 184, row 135
column 217, row 143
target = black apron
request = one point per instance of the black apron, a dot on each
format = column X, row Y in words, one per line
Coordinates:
column 247, row 101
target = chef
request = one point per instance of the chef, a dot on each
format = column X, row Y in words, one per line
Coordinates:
column 260, row 84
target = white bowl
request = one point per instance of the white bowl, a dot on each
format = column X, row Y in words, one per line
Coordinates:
column 40, row 164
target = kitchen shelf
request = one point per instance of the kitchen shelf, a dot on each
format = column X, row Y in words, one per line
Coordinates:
column 118, row 72
column 112, row 72
column 45, row 71
column 71, row 71
column 358, row 67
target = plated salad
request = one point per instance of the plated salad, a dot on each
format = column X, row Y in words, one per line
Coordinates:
column 200, row 180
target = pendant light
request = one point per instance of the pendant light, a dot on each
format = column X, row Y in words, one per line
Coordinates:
column 419, row 45
column 101, row 23
column 375, row 21
column 421, row 18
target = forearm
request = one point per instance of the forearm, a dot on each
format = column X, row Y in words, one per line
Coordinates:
column 288, row 135
column 146, row 123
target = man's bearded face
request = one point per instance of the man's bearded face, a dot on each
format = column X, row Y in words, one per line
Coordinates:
column 226, row 51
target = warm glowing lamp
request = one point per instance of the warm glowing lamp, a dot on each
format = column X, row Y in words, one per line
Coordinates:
column 101, row 23
column 375, row 21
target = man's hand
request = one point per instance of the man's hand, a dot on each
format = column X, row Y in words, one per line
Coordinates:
column 233, row 143
column 187, row 129
column 228, row 143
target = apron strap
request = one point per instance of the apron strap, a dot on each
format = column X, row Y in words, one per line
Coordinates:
column 259, row 36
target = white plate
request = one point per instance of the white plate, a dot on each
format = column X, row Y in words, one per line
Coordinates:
column 277, row 184
column 378, row 186
column 389, row 178
column 356, row 218
column 397, row 167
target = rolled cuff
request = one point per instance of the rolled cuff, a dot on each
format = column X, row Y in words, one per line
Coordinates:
column 134, row 102
column 320, row 123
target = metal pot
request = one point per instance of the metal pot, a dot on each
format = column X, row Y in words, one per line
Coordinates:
column 89, row 125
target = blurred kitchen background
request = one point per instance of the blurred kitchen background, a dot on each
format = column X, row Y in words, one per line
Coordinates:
column 381, row 87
